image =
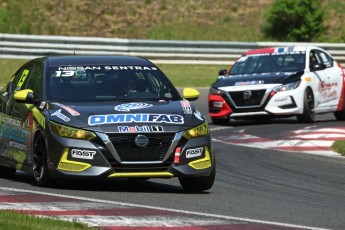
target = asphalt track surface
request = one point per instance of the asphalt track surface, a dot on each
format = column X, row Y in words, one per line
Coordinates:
column 252, row 184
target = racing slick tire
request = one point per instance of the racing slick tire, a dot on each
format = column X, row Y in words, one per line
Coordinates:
column 220, row 121
column 6, row 172
column 40, row 168
column 308, row 115
column 198, row 184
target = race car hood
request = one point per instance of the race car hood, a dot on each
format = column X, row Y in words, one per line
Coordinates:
column 108, row 116
column 258, row 79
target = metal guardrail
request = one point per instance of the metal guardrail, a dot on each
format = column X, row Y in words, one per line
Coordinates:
column 158, row 51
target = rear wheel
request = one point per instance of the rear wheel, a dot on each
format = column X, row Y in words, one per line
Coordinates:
column 198, row 184
column 340, row 115
column 6, row 172
column 308, row 115
column 40, row 168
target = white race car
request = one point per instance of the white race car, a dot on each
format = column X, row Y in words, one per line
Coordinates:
column 278, row 82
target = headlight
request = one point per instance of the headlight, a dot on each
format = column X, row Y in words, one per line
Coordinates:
column 66, row 131
column 286, row 87
column 201, row 130
column 214, row 91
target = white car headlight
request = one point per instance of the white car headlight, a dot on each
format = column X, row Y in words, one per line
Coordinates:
column 286, row 87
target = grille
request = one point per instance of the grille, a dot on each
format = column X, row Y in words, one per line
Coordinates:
column 241, row 101
column 128, row 151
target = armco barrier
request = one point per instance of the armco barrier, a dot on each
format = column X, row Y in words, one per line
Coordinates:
column 158, row 51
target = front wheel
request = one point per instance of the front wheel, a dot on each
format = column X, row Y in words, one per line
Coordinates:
column 40, row 168
column 308, row 115
column 198, row 184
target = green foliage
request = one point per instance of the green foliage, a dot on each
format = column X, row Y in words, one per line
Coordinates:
column 13, row 14
column 295, row 21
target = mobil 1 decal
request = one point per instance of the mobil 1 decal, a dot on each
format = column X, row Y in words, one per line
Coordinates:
column 140, row 129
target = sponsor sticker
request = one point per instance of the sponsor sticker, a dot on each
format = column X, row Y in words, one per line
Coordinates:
column 157, row 128
column 131, row 106
column 135, row 117
column 197, row 152
column 67, row 108
column 42, row 105
column 61, row 116
column 134, row 129
column 83, row 154
column 261, row 82
column 187, row 109
column 198, row 115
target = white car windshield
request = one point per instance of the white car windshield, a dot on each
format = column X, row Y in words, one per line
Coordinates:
column 269, row 63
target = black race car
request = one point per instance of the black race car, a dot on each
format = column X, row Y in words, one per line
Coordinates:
column 102, row 117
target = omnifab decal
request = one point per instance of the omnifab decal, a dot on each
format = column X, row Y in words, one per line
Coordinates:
column 137, row 118
column 131, row 106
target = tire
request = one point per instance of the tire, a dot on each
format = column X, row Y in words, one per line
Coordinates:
column 308, row 115
column 220, row 121
column 40, row 168
column 6, row 172
column 198, row 184
column 340, row 115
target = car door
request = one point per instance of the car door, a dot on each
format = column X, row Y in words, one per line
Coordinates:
column 15, row 120
column 331, row 89
column 322, row 83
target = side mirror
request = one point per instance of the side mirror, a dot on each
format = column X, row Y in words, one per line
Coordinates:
column 24, row 96
column 318, row 66
column 190, row 94
column 222, row 72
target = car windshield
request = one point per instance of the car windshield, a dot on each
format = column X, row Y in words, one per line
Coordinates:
column 102, row 83
column 268, row 63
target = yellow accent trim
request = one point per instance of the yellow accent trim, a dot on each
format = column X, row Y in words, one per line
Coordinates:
column 22, row 79
column 141, row 174
column 190, row 93
column 202, row 163
column 37, row 114
column 73, row 166
column 39, row 117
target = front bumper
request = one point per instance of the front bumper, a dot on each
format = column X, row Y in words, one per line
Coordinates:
column 271, row 104
column 107, row 157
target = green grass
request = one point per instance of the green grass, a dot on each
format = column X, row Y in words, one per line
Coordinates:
column 12, row 220
column 180, row 75
column 7, row 68
column 192, row 75
column 339, row 147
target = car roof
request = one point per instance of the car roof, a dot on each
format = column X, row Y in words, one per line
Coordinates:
column 96, row 60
